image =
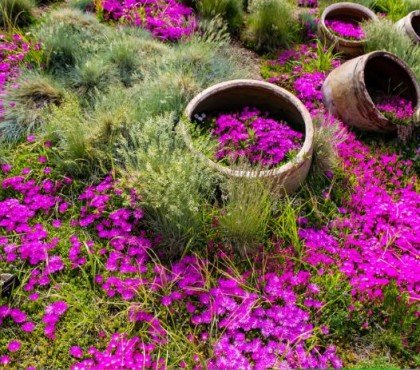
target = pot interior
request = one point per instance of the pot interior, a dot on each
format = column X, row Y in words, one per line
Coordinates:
column 415, row 23
column 234, row 98
column 385, row 76
column 347, row 14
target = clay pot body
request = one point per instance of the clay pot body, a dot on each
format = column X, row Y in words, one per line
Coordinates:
column 231, row 96
column 344, row 11
column 348, row 90
column 410, row 25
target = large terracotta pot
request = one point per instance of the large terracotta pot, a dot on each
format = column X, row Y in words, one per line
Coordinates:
column 343, row 12
column 410, row 25
column 348, row 90
column 279, row 103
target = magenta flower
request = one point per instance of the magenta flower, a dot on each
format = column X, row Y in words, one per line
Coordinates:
column 14, row 346
column 28, row 327
column 347, row 29
column 76, row 352
column 258, row 139
column 166, row 19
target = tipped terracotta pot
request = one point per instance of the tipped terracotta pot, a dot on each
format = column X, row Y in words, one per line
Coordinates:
column 410, row 25
column 348, row 90
column 344, row 12
column 231, row 96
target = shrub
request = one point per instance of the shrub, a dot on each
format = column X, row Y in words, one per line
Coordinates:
column 172, row 183
column 16, row 13
column 231, row 11
column 270, row 25
column 383, row 36
column 25, row 104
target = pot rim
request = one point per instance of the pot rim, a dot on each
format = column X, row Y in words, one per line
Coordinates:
column 345, row 5
column 361, row 77
column 410, row 16
column 305, row 151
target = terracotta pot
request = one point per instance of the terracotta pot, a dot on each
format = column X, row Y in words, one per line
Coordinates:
column 233, row 96
column 410, row 25
column 348, row 90
column 344, row 12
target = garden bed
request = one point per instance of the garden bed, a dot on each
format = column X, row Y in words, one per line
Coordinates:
column 139, row 225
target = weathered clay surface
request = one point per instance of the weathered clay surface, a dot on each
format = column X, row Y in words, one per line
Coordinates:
column 343, row 11
column 347, row 89
column 410, row 25
column 236, row 94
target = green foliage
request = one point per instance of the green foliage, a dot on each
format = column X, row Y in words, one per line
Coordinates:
column 124, row 57
column 91, row 76
column 324, row 3
column 270, row 25
column 173, row 184
column 69, row 36
column 284, row 224
column 16, row 13
column 328, row 135
column 86, row 143
column 383, row 36
column 323, row 62
column 82, row 4
column 376, row 362
column 214, row 30
column 65, row 127
column 167, row 92
column 395, row 9
column 244, row 218
column 26, row 104
column 231, row 11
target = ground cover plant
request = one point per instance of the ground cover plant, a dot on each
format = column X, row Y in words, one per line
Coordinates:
column 131, row 253
column 250, row 136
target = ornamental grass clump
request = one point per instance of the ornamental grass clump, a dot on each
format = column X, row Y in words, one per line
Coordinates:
column 173, row 186
column 231, row 11
column 27, row 103
column 255, row 138
column 271, row 24
column 16, row 13
column 245, row 197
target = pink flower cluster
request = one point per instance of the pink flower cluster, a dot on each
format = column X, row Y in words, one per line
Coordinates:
column 267, row 327
column 121, row 353
column 12, row 51
column 128, row 253
column 17, row 316
column 396, row 109
column 165, row 19
column 259, row 139
column 53, row 313
column 377, row 242
column 346, row 28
